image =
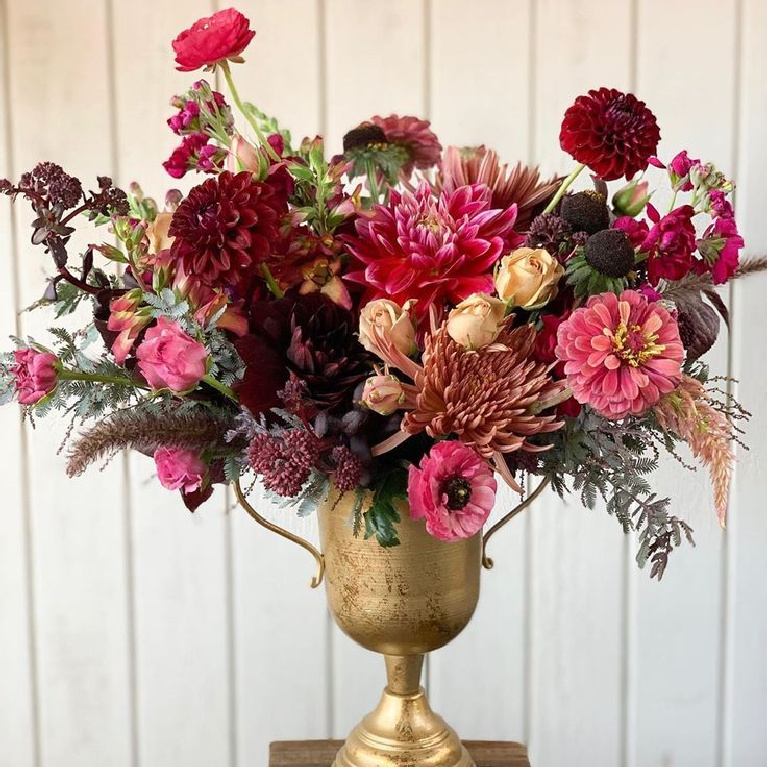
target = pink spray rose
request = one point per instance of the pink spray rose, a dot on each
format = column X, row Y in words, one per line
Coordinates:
column 170, row 359
column 36, row 375
column 127, row 321
column 179, row 469
column 224, row 35
column 454, row 489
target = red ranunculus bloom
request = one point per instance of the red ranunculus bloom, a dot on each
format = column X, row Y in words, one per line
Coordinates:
column 224, row 35
column 669, row 244
column 612, row 133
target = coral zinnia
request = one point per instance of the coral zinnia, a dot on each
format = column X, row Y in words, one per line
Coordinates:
column 621, row 354
column 432, row 249
column 520, row 185
column 453, row 489
column 613, row 133
column 414, row 135
column 224, row 229
column 490, row 398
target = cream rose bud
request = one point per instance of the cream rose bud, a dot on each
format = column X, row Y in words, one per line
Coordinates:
column 383, row 394
column 392, row 321
column 476, row 321
column 528, row 277
column 157, row 233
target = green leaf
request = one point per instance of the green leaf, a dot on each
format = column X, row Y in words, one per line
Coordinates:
column 382, row 516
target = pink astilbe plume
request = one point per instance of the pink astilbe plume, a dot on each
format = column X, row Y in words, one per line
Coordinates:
column 688, row 412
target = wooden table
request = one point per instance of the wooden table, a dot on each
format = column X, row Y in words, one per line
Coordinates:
column 320, row 753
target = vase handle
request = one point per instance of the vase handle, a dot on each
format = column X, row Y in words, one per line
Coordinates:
column 320, row 559
column 487, row 563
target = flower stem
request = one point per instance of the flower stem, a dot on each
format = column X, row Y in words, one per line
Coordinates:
column 271, row 283
column 673, row 201
column 253, row 124
column 78, row 375
column 223, row 388
column 564, row 187
column 372, row 174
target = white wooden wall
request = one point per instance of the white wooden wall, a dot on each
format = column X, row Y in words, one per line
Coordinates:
column 135, row 635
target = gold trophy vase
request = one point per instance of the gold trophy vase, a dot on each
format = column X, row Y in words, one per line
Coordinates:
column 401, row 602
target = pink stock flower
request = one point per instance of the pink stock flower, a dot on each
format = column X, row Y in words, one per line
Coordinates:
column 184, row 157
column 669, row 244
column 36, row 375
column 679, row 170
column 453, row 489
column 127, row 321
column 636, row 230
column 211, row 40
column 170, row 359
column 719, row 205
column 720, row 247
column 432, row 249
column 179, row 469
column 621, row 354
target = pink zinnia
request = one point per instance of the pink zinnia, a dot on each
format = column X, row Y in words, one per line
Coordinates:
column 454, row 489
column 621, row 354
column 432, row 249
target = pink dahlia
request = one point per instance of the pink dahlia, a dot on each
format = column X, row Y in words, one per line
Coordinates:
column 414, row 135
column 453, row 489
column 432, row 249
column 621, row 354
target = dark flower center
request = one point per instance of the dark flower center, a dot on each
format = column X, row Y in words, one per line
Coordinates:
column 458, row 492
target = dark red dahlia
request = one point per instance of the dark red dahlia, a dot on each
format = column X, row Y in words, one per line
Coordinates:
column 225, row 228
column 612, row 133
column 310, row 337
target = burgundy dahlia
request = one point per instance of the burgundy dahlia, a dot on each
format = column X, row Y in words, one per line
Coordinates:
column 310, row 337
column 612, row 133
column 224, row 229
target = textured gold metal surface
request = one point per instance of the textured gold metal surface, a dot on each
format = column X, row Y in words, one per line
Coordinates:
column 402, row 602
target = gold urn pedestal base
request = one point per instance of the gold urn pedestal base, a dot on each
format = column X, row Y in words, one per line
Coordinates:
column 403, row 731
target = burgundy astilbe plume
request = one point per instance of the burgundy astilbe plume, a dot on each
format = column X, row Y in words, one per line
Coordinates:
column 225, row 228
column 613, row 133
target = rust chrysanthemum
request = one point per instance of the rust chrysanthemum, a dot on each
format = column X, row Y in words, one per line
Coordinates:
column 225, row 228
column 521, row 185
column 613, row 133
column 490, row 398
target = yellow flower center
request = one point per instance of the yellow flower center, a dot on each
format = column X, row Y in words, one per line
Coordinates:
column 630, row 344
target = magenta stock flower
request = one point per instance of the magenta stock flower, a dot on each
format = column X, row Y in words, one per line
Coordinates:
column 187, row 154
column 670, row 244
column 179, row 469
column 720, row 247
column 170, row 359
column 719, row 205
column 453, row 489
column 35, row 373
column 621, row 354
column 432, row 249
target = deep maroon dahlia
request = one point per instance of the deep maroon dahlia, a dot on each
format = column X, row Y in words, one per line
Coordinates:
column 225, row 228
column 612, row 133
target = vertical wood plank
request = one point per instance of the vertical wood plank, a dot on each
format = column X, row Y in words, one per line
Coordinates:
column 282, row 626
column 745, row 742
column 496, row 114
column 181, row 592
column 576, row 631
column 678, row 643
column 17, row 730
column 375, row 65
column 60, row 111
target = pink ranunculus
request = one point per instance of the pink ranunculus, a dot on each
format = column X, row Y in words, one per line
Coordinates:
column 170, row 359
column 179, row 469
column 453, row 489
column 669, row 244
column 242, row 155
column 224, row 35
column 36, row 375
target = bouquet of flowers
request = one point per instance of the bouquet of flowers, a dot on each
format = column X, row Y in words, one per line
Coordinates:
column 395, row 321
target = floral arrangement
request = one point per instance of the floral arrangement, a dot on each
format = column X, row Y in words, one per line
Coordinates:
column 397, row 321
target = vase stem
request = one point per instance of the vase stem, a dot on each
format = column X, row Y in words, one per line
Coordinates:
column 403, row 674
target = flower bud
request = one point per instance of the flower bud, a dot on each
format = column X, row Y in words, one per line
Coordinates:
column 383, row 394
column 242, row 155
column 157, row 233
column 631, row 199
column 476, row 321
column 391, row 321
column 528, row 278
